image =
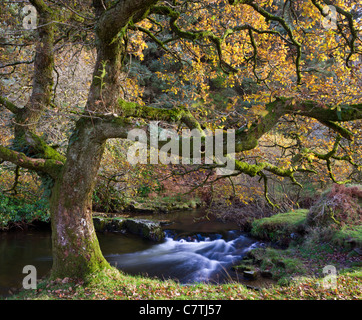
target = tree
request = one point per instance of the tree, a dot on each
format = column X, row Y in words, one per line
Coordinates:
column 230, row 47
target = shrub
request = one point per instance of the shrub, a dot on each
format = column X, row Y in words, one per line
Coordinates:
column 339, row 206
column 15, row 211
column 108, row 199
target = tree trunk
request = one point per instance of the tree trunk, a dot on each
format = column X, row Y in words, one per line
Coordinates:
column 76, row 250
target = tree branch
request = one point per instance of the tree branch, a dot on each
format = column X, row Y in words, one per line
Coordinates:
column 351, row 40
column 13, row 64
column 112, row 21
column 329, row 156
column 270, row 17
column 49, row 166
column 247, row 138
column 9, row 105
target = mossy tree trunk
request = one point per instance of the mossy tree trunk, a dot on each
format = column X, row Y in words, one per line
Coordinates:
column 76, row 251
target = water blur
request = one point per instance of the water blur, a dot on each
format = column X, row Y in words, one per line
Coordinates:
column 191, row 259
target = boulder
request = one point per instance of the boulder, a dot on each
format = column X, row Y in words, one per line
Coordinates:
column 108, row 224
column 100, row 224
column 147, row 229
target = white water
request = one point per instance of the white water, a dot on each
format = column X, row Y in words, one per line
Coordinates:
column 187, row 261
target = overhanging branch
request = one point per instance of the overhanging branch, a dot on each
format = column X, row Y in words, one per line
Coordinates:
column 49, row 166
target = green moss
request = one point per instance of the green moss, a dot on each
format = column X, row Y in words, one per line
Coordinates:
column 279, row 263
column 279, row 226
column 127, row 108
column 176, row 114
column 348, row 236
column 34, row 146
column 77, row 262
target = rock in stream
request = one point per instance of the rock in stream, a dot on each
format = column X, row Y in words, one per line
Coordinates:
column 148, row 229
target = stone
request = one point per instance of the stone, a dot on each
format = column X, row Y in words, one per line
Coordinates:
column 251, row 275
column 116, row 225
column 243, row 267
column 99, row 224
column 142, row 208
column 148, row 229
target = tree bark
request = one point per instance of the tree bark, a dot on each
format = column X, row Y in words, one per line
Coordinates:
column 76, row 251
column 27, row 118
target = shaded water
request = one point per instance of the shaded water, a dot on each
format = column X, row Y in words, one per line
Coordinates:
column 194, row 250
column 18, row 249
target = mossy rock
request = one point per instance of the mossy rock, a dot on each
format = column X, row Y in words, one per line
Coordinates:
column 271, row 263
column 148, row 229
column 349, row 237
column 100, row 224
column 250, row 274
column 280, row 227
column 163, row 205
column 244, row 267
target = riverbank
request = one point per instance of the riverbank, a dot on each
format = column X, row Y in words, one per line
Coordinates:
column 298, row 246
column 295, row 250
column 115, row 285
column 293, row 259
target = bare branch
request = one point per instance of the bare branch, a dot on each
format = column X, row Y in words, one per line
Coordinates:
column 13, row 64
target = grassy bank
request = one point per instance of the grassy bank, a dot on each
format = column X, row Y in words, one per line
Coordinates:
column 280, row 227
column 114, row 285
column 298, row 249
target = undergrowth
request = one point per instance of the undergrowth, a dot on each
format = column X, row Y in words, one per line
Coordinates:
column 339, row 206
column 19, row 212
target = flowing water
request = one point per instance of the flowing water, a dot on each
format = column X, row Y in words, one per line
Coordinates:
column 195, row 249
column 204, row 260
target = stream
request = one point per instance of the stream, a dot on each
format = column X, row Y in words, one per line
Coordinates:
column 195, row 249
